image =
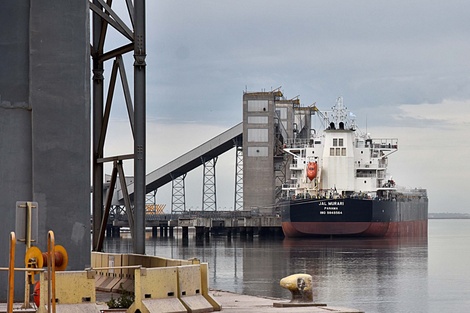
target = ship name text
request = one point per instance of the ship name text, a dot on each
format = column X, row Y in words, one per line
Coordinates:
column 331, row 208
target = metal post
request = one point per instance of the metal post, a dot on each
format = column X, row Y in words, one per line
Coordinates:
column 29, row 208
column 51, row 271
column 140, row 126
column 11, row 273
column 98, row 105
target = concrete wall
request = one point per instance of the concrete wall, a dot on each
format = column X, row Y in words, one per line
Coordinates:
column 258, row 162
column 45, row 125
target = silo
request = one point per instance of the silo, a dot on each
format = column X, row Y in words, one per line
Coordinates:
column 45, row 126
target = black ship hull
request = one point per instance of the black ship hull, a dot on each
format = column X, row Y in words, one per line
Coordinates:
column 407, row 217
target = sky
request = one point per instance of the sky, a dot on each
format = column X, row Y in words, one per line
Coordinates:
column 402, row 67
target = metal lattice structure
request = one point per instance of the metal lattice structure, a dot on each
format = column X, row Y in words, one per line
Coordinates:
column 178, row 196
column 103, row 18
column 238, row 200
column 151, row 202
column 209, row 190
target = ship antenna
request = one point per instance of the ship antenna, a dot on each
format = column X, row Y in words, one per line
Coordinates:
column 366, row 123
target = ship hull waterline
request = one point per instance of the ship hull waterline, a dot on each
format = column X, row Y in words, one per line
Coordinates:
column 354, row 217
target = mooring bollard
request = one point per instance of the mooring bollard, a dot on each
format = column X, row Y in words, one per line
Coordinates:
column 300, row 286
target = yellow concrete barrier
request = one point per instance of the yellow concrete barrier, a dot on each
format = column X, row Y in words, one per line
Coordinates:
column 156, row 291
column 106, row 278
column 159, row 284
column 190, row 289
column 205, row 287
column 112, row 274
column 75, row 292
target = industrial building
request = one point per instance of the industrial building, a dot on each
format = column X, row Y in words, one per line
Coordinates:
column 270, row 122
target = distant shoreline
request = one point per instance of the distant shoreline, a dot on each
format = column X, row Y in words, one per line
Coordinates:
column 448, row 216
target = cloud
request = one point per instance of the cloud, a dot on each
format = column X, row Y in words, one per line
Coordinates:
column 203, row 54
column 432, row 145
column 402, row 68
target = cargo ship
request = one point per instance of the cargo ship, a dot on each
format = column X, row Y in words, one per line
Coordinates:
column 339, row 185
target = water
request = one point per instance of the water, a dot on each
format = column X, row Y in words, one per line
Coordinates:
column 374, row 275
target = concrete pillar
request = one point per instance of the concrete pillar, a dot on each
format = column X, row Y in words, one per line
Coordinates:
column 116, row 231
column 109, row 231
column 185, row 232
column 200, row 230
column 154, row 231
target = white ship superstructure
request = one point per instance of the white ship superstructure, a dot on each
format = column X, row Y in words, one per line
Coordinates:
column 348, row 163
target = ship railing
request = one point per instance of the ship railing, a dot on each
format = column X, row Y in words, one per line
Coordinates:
column 216, row 214
column 415, row 192
column 385, row 143
column 370, row 166
column 289, row 186
column 296, row 167
column 362, row 175
column 298, row 143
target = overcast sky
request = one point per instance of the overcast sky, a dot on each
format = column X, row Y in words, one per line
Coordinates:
column 403, row 68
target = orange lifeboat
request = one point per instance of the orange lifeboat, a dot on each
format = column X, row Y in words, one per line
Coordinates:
column 312, row 170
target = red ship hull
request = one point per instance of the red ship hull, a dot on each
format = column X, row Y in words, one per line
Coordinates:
column 366, row 229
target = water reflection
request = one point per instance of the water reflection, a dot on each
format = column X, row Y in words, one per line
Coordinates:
column 376, row 275
column 382, row 275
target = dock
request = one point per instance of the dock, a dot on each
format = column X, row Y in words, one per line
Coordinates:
column 238, row 303
column 229, row 223
column 231, row 303
column 149, row 284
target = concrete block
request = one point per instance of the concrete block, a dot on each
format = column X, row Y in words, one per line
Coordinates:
column 172, row 305
column 75, row 287
column 77, row 308
column 156, row 291
column 159, row 283
column 196, row 304
column 205, row 287
column 190, row 289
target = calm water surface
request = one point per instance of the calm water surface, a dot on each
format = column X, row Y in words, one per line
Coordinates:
column 374, row 275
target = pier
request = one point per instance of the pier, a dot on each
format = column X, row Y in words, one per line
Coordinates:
column 204, row 223
column 261, row 167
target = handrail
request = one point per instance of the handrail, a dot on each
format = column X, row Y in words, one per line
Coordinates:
column 113, row 267
column 23, row 269
column 51, row 271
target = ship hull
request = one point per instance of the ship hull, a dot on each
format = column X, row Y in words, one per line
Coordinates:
column 355, row 217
